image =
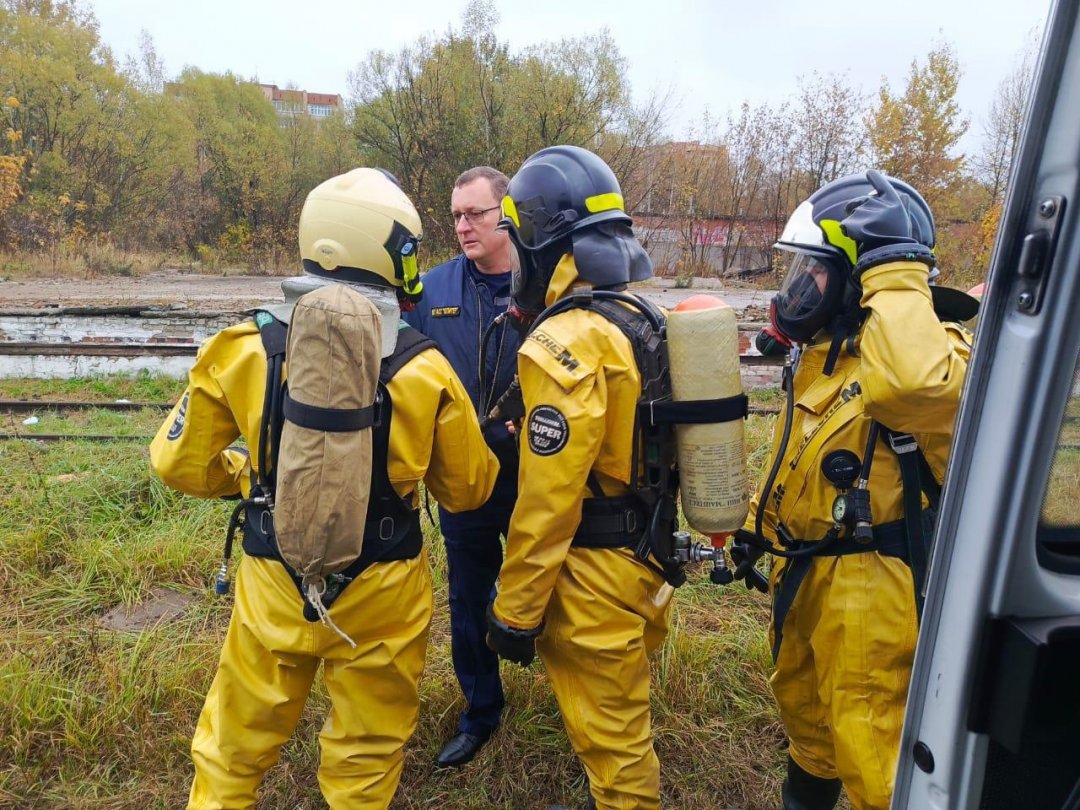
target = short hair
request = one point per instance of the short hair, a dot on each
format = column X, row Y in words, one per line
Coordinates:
column 498, row 180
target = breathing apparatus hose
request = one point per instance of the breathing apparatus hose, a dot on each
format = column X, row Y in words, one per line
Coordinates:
column 510, row 406
column 758, row 539
column 269, row 430
column 485, row 337
column 504, row 407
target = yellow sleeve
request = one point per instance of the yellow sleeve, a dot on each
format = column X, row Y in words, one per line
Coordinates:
column 435, row 435
column 562, row 433
column 190, row 452
column 912, row 371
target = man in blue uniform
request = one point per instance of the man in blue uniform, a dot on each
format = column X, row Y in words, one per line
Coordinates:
column 461, row 299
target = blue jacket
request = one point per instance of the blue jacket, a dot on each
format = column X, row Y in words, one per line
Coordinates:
column 459, row 303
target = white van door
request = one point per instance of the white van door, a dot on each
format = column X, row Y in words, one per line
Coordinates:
column 993, row 719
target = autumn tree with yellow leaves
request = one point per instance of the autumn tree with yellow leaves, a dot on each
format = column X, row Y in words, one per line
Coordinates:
column 12, row 164
column 914, row 134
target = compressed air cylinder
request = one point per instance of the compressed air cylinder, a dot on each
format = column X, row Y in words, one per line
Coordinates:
column 703, row 349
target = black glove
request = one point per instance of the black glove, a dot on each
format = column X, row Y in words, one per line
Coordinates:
column 881, row 228
column 744, row 555
column 510, row 643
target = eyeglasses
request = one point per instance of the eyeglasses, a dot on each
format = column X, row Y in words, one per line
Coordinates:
column 472, row 217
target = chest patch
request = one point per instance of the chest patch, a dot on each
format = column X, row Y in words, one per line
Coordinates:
column 178, row 424
column 548, row 430
column 445, row 312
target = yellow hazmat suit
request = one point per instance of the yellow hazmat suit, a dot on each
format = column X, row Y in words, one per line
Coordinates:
column 844, row 663
column 603, row 611
column 271, row 652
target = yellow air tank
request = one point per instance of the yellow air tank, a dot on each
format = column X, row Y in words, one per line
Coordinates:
column 703, row 350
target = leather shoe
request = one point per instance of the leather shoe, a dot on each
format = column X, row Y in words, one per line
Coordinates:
column 460, row 748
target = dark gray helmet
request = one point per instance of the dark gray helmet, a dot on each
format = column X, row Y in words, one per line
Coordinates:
column 566, row 199
column 820, row 283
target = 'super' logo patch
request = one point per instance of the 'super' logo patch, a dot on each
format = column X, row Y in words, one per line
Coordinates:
column 178, row 424
column 548, row 430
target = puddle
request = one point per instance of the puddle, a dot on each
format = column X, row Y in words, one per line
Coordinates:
column 161, row 606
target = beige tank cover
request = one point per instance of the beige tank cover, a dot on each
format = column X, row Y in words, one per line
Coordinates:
column 324, row 478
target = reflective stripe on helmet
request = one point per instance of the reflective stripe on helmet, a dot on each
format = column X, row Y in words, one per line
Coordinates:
column 838, row 239
column 509, row 211
column 604, row 202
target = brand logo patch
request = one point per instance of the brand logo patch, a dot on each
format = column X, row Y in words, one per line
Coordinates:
column 556, row 349
column 548, row 430
column 181, row 417
column 445, row 312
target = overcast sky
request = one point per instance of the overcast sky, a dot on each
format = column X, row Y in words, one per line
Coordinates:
column 712, row 53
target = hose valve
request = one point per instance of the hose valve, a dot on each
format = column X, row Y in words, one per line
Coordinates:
column 687, row 551
column 221, row 581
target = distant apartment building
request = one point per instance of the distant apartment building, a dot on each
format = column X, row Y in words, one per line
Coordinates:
column 292, row 103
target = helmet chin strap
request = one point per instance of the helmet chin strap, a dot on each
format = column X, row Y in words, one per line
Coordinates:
column 843, row 328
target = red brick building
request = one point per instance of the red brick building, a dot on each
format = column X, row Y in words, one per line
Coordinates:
column 289, row 103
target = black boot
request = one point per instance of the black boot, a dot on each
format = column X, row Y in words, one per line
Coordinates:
column 805, row 792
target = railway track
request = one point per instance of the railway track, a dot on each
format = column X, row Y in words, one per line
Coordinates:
column 17, row 406
column 91, row 349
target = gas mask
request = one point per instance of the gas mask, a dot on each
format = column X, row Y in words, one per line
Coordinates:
column 531, row 275
column 815, row 289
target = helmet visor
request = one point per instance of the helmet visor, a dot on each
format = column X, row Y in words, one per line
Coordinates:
column 811, row 294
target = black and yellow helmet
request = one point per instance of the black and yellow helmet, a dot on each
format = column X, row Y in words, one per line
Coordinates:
column 820, row 283
column 566, row 199
column 360, row 227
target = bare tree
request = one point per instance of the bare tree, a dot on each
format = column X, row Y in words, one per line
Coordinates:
column 1002, row 129
column 830, row 138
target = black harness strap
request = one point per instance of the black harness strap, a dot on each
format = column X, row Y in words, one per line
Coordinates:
column 328, row 420
column 654, row 482
column 911, row 462
column 907, row 538
column 274, row 334
column 392, row 529
column 610, row 522
column 699, row 411
column 890, row 540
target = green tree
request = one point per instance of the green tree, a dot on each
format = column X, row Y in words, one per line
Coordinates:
column 441, row 105
column 90, row 136
column 235, row 193
column 252, row 169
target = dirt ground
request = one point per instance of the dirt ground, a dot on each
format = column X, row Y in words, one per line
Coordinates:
column 179, row 290
column 164, row 289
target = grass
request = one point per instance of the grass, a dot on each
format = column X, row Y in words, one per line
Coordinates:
column 143, row 387
column 89, row 260
column 97, row 718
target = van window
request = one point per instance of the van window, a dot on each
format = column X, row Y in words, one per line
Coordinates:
column 1059, row 522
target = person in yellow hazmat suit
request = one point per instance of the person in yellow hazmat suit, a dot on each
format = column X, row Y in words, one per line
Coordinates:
column 357, row 229
column 572, row 585
column 873, row 384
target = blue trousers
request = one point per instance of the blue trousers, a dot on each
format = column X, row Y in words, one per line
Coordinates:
column 473, row 558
